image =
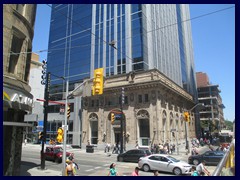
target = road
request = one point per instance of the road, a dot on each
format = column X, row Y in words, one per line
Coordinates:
column 91, row 164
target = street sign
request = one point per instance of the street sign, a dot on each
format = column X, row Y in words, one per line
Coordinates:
column 118, row 116
column 40, row 123
column 173, row 130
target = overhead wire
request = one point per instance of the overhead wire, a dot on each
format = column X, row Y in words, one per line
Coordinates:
column 108, row 43
column 173, row 24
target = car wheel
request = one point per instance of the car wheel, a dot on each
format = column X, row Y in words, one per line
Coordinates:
column 120, row 159
column 146, row 168
column 177, row 171
column 57, row 160
column 195, row 162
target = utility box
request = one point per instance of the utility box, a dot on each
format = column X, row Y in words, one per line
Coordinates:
column 89, row 148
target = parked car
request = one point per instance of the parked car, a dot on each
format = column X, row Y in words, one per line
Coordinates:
column 211, row 158
column 133, row 155
column 55, row 154
column 165, row 163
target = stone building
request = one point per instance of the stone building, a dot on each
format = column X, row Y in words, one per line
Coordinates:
column 18, row 30
column 153, row 109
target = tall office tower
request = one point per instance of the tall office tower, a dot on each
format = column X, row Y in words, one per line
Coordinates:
column 143, row 37
column 122, row 39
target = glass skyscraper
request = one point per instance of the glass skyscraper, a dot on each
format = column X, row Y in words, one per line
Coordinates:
column 120, row 38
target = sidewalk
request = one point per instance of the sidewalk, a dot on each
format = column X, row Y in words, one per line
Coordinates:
column 36, row 171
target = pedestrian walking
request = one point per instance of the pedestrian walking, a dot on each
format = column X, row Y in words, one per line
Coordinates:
column 75, row 165
column 108, row 147
column 113, row 171
column 135, row 172
column 105, row 149
column 202, row 170
column 69, row 168
column 194, row 172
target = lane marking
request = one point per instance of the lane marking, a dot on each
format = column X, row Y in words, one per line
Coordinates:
column 89, row 170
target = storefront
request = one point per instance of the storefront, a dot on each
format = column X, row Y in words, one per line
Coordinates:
column 16, row 103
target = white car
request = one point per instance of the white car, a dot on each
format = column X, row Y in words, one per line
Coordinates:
column 166, row 163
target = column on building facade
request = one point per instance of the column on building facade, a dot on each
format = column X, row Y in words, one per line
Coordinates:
column 166, row 131
column 85, row 129
column 158, row 119
column 153, row 116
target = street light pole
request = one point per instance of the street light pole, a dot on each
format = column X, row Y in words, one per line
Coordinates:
column 46, row 97
column 67, row 95
column 186, row 134
column 65, row 130
column 122, row 118
column 186, row 137
column 196, row 106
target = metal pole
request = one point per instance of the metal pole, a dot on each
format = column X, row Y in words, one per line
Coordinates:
column 122, row 118
column 121, row 149
column 46, row 97
column 65, row 131
column 187, row 145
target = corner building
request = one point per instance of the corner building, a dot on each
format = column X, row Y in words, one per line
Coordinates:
column 18, row 30
column 124, row 39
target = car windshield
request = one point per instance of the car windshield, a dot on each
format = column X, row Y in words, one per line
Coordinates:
column 57, row 150
column 172, row 159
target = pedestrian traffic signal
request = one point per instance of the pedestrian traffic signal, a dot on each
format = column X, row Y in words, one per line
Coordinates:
column 186, row 116
column 44, row 71
column 112, row 118
column 97, row 87
column 40, row 135
column 173, row 134
column 68, row 111
column 60, row 132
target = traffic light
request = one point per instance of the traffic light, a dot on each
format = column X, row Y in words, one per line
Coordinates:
column 173, row 134
column 60, row 132
column 44, row 71
column 68, row 111
column 112, row 118
column 40, row 135
column 97, row 87
column 186, row 116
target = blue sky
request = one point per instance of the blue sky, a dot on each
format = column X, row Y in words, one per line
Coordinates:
column 213, row 43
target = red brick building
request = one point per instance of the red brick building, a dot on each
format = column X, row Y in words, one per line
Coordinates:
column 202, row 79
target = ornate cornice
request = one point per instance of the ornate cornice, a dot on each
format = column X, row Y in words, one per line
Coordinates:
column 144, row 80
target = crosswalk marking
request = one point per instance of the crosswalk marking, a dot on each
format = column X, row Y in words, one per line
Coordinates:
column 89, row 170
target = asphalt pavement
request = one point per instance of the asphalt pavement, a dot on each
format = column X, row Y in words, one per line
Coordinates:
column 31, row 169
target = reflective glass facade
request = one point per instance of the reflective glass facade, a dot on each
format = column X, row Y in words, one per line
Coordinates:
column 143, row 37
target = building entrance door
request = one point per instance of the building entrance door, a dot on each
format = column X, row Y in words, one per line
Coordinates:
column 117, row 135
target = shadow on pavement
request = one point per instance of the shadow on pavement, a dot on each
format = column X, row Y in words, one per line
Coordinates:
column 25, row 166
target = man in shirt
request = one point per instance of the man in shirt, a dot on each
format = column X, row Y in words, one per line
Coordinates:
column 202, row 170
